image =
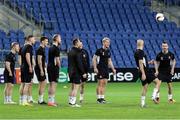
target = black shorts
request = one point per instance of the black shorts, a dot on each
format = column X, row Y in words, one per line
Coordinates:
column 150, row 77
column 8, row 79
column 166, row 77
column 53, row 73
column 26, row 76
column 75, row 78
column 38, row 74
column 103, row 73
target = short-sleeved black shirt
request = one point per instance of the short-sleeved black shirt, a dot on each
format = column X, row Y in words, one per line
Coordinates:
column 40, row 51
column 165, row 61
column 140, row 55
column 52, row 54
column 10, row 58
column 26, row 49
column 103, row 56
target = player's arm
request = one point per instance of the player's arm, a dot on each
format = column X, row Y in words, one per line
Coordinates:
column 19, row 60
column 57, row 61
column 80, row 64
column 57, row 58
column 33, row 61
column 156, row 65
column 141, row 68
column 173, row 66
column 28, row 59
column 39, row 59
column 7, row 65
column 19, row 57
column 110, row 63
column 94, row 60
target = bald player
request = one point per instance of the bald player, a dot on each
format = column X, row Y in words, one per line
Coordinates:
column 146, row 75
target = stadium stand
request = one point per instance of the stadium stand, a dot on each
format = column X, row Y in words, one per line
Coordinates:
column 123, row 21
column 171, row 2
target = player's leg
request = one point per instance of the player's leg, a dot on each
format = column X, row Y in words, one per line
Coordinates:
column 10, row 93
column 30, row 98
column 170, row 93
column 143, row 94
column 26, row 81
column 103, row 90
column 99, row 90
column 70, row 93
column 6, row 90
column 155, row 90
column 161, row 78
column 51, row 92
column 158, row 93
column 21, row 88
column 42, row 86
column 74, row 94
column 157, row 97
column 81, row 98
column 50, row 89
column 25, row 94
column 21, row 93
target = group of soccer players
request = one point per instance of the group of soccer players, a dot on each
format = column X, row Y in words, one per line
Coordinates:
column 164, row 70
column 29, row 65
column 78, row 68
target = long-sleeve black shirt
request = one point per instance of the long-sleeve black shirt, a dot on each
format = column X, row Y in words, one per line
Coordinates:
column 75, row 64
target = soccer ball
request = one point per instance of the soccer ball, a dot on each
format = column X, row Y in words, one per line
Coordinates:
column 159, row 17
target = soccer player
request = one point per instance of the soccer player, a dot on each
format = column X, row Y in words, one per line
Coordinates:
column 27, row 68
column 145, row 74
column 53, row 68
column 86, row 65
column 30, row 99
column 9, row 73
column 101, row 63
column 164, row 67
column 40, row 68
column 75, row 70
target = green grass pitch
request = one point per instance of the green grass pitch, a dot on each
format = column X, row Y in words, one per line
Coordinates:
column 123, row 103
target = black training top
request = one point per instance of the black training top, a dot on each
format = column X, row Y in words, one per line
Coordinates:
column 75, row 64
column 140, row 55
column 103, row 57
column 40, row 51
column 52, row 54
column 10, row 58
column 26, row 49
column 165, row 60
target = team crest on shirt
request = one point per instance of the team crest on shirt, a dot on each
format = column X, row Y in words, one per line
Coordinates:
column 103, row 53
column 84, row 55
column 169, row 57
column 161, row 58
